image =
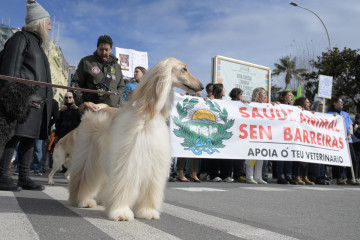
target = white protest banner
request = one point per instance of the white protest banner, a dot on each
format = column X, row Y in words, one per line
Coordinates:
column 234, row 130
column 325, row 86
column 129, row 59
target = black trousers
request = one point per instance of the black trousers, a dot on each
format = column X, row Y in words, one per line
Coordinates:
column 25, row 155
column 355, row 163
column 338, row 171
column 239, row 168
column 222, row 165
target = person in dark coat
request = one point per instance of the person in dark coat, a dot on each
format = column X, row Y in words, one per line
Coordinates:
column 25, row 58
column 69, row 117
column 55, row 114
column 49, row 144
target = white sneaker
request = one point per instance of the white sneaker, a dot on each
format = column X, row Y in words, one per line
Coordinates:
column 228, row 180
column 260, row 181
column 252, row 181
column 216, row 179
column 203, row 176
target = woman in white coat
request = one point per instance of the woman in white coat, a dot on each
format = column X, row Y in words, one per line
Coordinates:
column 254, row 167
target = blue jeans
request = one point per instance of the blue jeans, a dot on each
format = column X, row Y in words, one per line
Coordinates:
column 16, row 155
column 264, row 169
column 284, row 169
column 173, row 165
column 38, row 156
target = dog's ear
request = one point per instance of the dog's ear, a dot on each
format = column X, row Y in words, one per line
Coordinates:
column 151, row 96
column 34, row 88
column 165, row 95
column 154, row 90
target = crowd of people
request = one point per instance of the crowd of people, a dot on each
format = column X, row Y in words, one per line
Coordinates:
column 26, row 58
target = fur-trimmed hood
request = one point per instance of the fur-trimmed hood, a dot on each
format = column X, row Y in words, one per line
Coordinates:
column 64, row 107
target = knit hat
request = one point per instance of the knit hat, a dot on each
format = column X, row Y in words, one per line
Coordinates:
column 35, row 11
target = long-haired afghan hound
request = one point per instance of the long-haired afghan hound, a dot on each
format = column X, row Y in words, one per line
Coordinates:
column 122, row 158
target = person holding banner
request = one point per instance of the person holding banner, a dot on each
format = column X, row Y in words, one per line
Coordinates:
column 238, row 165
column 284, row 168
column 220, row 169
column 318, row 172
column 302, row 168
column 336, row 107
column 259, row 95
column 209, row 91
column 356, row 145
column 204, row 162
column 317, row 106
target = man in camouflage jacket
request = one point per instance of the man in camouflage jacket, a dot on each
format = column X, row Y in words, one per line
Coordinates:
column 100, row 71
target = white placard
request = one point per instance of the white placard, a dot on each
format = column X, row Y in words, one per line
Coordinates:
column 129, row 59
column 325, row 86
column 234, row 130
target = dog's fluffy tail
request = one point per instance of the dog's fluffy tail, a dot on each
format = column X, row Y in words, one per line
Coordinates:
column 86, row 173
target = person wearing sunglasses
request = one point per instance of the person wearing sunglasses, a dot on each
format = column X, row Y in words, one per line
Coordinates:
column 69, row 117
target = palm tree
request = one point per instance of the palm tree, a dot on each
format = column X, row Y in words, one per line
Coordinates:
column 287, row 66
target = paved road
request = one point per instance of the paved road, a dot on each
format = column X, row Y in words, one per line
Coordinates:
column 192, row 211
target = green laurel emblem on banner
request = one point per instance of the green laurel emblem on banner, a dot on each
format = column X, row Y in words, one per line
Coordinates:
column 203, row 131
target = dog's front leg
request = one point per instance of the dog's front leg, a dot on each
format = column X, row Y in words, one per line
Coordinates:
column 150, row 201
column 118, row 203
column 120, row 214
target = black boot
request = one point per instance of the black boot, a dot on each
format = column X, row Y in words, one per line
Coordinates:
column 5, row 183
column 28, row 184
column 25, row 154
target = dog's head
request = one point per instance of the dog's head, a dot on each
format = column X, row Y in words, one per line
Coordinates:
column 17, row 99
column 154, row 93
column 183, row 79
column 35, row 101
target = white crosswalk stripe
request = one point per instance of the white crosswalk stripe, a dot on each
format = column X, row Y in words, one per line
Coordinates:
column 296, row 188
column 96, row 216
column 111, row 228
column 234, row 228
column 13, row 219
column 353, row 189
column 319, row 188
column 201, row 189
column 13, row 216
column 266, row 189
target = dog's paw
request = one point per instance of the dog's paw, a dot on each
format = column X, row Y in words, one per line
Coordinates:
column 99, row 201
column 147, row 213
column 51, row 182
column 88, row 203
column 67, row 175
column 121, row 214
